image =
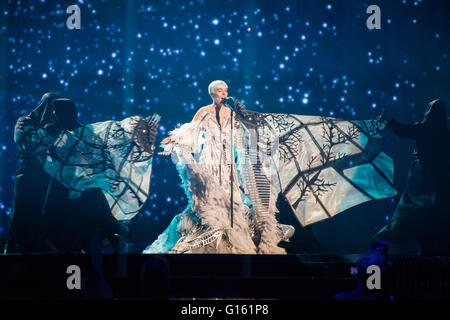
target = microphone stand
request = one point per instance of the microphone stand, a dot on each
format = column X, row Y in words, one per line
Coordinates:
column 226, row 103
column 231, row 168
column 232, row 106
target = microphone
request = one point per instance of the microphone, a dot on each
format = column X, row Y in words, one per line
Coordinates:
column 229, row 102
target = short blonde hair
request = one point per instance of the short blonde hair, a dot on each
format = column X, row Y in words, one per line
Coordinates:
column 212, row 86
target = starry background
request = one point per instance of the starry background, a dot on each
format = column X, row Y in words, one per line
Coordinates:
column 304, row 57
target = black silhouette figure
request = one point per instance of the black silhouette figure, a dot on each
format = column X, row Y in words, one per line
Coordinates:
column 423, row 211
column 46, row 217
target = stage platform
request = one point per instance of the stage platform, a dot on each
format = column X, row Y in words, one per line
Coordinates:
column 136, row 276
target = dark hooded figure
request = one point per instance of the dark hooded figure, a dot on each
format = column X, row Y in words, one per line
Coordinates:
column 46, row 215
column 423, row 211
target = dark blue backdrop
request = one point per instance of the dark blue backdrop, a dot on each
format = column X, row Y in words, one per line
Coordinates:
column 304, row 57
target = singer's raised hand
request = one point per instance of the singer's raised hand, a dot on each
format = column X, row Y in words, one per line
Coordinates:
column 168, row 140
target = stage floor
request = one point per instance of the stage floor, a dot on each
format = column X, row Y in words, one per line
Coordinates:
column 137, row 276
